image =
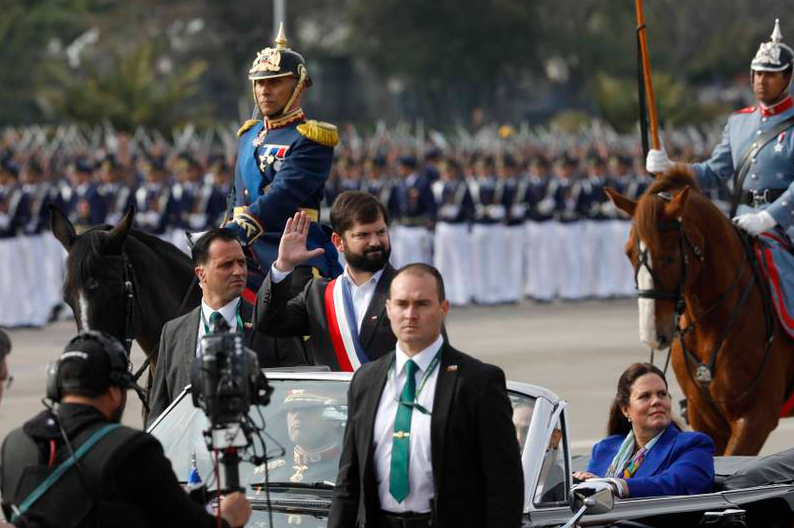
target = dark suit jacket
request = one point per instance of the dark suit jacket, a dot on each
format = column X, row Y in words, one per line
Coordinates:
column 178, row 348
column 680, row 463
column 278, row 314
column 476, row 463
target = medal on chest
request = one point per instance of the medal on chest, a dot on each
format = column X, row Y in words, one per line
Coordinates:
column 271, row 155
column 779, row 145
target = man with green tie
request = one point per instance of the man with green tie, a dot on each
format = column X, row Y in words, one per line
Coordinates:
column 437, row 447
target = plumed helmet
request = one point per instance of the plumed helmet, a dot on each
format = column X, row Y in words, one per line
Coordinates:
column 281, row 62
column 773, row 55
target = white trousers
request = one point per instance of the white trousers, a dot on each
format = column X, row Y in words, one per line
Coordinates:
column 452, row 256
column 590, row 252
column 13, row 274
column 486, row 262
column 411, row 244
column 624, row 272
column 512, row 272
column 539, row 261
column 568, row 261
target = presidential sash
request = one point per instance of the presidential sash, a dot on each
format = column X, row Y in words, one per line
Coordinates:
column 342, row 325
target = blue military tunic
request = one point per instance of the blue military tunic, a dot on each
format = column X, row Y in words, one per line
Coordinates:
column 771, row 168
column 279, row 171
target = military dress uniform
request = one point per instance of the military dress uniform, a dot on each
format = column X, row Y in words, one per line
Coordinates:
column 766, row 196
column 452, row 242
column 301, row 464
column 540, row 230
column 283, row 163
column 14, row 211
column 616, row 274
column 413, row 210
column 595, row 234
column 155, row 208
column 565, row 194
column 486, row 237
column 42, row 253
column 514, row 200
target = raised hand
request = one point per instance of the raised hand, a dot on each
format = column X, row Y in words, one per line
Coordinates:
column 292, row 248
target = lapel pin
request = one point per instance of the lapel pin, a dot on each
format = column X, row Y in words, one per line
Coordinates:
column 248, row 326
column 452, row 368
column 373, row 318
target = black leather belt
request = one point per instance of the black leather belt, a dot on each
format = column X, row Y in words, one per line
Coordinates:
column 761, row 197
column 405, row 520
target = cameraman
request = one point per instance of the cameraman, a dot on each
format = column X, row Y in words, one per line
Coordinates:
column 123, row 479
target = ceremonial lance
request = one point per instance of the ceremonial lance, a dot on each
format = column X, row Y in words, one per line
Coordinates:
column 646, row 76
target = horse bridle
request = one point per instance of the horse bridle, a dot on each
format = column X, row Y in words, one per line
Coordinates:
column 130, row 331
column 676, row 296
column 704, row 372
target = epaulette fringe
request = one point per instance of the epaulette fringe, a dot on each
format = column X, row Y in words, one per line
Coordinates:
column 323, row 133
column 248, row 124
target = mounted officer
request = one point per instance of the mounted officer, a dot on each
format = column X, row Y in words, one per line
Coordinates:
column 762, row 138
column 757, row 149
column 283, row 162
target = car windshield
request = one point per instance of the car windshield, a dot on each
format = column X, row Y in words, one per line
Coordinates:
column 304, row 424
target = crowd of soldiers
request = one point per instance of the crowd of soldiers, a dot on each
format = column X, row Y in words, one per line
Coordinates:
column 504, row 219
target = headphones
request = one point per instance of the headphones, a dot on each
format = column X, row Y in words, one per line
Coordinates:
column 120, row 368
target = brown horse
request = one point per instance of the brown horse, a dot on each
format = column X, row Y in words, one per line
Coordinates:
column 700, row 292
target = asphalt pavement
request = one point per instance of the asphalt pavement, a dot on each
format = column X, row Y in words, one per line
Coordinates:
column 577, row 350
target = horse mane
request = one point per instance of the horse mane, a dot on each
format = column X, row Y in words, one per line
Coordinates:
column 650, row 208
column 86, row 258
column 678, row 177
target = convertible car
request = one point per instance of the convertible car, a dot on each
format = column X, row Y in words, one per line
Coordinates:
column 292, row 485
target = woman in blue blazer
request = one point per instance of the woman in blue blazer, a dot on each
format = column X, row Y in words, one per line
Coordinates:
column 646, row 453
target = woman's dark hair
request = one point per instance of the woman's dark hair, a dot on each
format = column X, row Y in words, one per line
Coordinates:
column 618, row 423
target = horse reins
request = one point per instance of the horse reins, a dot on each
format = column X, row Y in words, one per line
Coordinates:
column 704, row 372
column 129, row 332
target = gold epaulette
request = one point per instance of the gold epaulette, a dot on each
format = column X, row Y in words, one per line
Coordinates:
column 248, row 124
column 323, row 133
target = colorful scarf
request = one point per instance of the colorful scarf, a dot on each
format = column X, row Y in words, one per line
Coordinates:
column 624, row 465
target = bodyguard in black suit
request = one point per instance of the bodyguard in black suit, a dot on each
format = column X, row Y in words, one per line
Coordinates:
column 344, row 317
column 429, row 439
column 221, row 270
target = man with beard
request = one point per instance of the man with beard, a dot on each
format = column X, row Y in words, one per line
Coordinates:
column 75, row 465
column 345, row 318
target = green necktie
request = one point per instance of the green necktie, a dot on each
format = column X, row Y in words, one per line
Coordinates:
column 215, row 318
column 398, row 476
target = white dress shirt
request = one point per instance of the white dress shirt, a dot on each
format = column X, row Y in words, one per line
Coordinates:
column 228, row 311
column 361, row 295
column 420, row 464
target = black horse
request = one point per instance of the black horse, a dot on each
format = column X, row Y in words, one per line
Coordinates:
column 123, row 281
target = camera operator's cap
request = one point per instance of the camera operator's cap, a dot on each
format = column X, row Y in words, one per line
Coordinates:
column 302, row 398
column 774, row 55
column 101, row 359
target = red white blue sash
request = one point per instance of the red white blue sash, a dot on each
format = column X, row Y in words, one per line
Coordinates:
column 342, row 326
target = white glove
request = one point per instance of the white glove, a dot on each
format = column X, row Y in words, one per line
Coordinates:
column 657, row 161
column 755, row 223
